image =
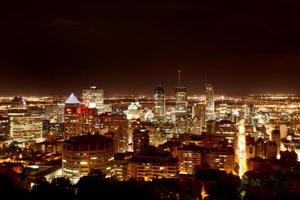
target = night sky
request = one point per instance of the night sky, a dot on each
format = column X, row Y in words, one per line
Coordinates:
column 129, row 48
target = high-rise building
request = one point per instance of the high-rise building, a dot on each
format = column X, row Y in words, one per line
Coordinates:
column 210, row 103
column 140, row 140
column 4, row 127
column 72, row 124
column 117, row 123
column 223, row 111
column 94, row 98
column 181, row 107
column 55, row 113
column 160, row 104
column 198, row 116
column 81, row 154
column 25, row 125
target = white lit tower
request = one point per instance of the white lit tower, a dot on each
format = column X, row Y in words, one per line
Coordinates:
column 210, row 102
column 160, row 104
column 181, row 104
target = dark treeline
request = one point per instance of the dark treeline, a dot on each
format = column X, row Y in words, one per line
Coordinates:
column 218, row 186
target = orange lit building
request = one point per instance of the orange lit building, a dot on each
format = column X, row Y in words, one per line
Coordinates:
column 81, row 154
column 154, row 166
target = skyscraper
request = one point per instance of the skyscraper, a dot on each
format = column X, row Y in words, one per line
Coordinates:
column 140, row 140
column 210, row 103
column 72, row 120
column 94, row 98
column 181, row 104
column 25, row 125
column 78, row 118
column 160, row 104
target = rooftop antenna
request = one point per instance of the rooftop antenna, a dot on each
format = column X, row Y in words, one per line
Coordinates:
column 179, row 78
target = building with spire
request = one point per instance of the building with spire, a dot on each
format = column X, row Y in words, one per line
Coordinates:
column 181, row 106
column 210, row 103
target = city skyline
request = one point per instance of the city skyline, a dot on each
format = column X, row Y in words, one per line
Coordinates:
column 150, row 100
column 134, row 47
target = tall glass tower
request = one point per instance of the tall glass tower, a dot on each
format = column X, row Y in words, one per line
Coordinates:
column 160, row 104
column 93, row 98
column 181, row 105
column 210, row 103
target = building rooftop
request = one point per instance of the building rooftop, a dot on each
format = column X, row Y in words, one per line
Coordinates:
column 88, row 139
column 72, row 100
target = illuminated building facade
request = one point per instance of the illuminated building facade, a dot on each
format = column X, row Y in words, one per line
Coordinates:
column 189, row 157
column 119, row 166
column 81, row 154
column 117, row 123
column 159, row 104
column 198, row 111
column 210, row 103
column 219, row 158
column 72, row 119
column 78, row 118
column 223, row 111
column 146, row 167
column 181, row 104
column 26, row 128
column 25, row 125
column 94, row 98
column 4, row 127
column 55, row 113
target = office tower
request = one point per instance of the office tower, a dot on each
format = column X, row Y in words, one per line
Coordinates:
column 94, row 98
column 25, row 124
column 72, row 119
column 78, row 118
column 140, row 140
column 198, row 115
column 81, row 154
column 248, row 112
column 210, row 102
column 55, row 113
column 181, row 103
column 4, row 127
column 60, row 112
column 223, row 111
column 117, row 123
column 160, row 104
